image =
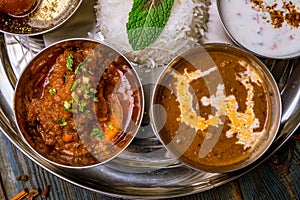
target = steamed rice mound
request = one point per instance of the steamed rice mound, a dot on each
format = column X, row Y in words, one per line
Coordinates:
column 186, row 26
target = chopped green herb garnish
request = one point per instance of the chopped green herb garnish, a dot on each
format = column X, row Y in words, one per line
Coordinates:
column 86, row 80
column 95, row 99
column 97, row 133
column 75, row 97
column 82, row 105
column 72, row 110
column 75, row 84
column 79, row 91
column 83, row 68
column 66, row 77
column 87, row 113
column 86, row 96
column 90, row 72
column 86, row 70
column 77, row 70
column 67, row 104
column 61, row 120
column 111, row 126
column 86, row 91
column 93, row 90
column 52, row 91
column 88, row 60
column 81, row 65
column 70, row 62
column 57, row 120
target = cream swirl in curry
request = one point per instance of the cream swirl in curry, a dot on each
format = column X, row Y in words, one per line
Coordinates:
column 216, row 109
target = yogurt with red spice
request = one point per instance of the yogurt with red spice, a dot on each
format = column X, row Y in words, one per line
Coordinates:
column 262, row 26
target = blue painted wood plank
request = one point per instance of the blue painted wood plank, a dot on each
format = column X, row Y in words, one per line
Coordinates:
column 264, row 182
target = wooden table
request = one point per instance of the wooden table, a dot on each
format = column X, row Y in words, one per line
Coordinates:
column 277, row 178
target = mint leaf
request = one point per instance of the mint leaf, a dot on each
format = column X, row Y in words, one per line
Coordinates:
column 147, row 20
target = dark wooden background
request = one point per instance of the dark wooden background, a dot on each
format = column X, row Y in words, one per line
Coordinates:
column 277, row 178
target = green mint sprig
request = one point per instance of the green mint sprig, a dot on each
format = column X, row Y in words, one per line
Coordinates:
column 147, row 20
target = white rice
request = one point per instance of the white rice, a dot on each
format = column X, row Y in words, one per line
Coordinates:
column 185, row 27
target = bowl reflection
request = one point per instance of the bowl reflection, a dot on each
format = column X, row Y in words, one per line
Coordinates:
column 217, row 108
column 78, row 103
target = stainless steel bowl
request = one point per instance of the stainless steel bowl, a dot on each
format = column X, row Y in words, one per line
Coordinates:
column 254, row 27
column 125, row 103
column 193, row 89
column 46, row 16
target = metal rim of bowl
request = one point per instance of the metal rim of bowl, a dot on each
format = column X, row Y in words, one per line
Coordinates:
column 290, row 56
column 274, row 93
column 46, row 30
column 138, row 82
column 32, row 9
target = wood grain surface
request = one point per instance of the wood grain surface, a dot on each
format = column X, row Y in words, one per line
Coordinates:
column 277, row 178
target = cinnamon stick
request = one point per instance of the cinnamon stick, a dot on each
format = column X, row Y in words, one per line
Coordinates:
column 20, row 195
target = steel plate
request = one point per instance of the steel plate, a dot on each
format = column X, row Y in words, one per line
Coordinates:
column 145, row 169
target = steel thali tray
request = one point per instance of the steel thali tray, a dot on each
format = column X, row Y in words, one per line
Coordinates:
column 145, row 169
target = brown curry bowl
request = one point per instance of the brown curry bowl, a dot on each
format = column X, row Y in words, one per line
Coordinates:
column 216, row 108
column 78, row 103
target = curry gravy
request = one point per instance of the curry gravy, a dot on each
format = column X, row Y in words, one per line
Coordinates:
column 216, row 109
column 79, row 103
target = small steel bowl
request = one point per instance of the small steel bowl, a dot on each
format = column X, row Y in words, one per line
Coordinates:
column 20, row 13
column 45, row 16
column 78, row 103
column 216, row 108
column 252, row 27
